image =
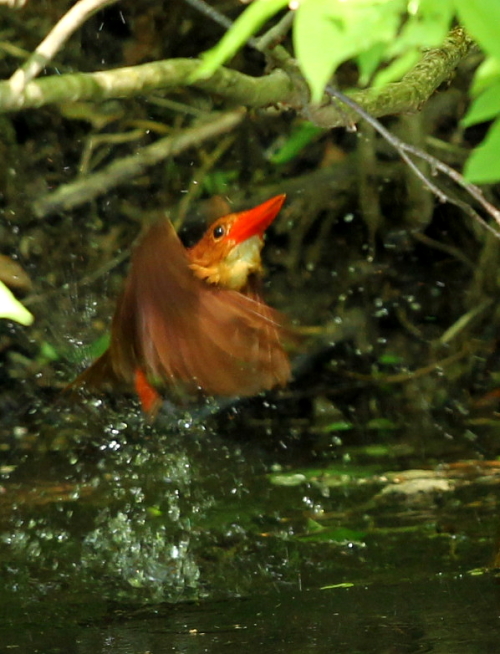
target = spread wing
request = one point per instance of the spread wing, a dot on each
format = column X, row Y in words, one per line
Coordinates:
column 179, row 329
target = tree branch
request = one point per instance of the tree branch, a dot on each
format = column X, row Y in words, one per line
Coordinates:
column 276, row 88
column 146, row 78
column 54, row 41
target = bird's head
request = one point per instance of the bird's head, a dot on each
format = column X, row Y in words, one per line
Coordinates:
column 229, row 251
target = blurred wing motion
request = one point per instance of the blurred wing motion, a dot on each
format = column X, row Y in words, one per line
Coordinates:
column 176, row 323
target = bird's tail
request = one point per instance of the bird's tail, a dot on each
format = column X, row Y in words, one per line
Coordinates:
column 100, row 376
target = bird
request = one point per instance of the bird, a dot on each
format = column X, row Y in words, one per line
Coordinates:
column 193, row 319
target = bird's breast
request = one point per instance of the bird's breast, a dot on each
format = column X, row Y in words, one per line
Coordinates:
column 242, row 260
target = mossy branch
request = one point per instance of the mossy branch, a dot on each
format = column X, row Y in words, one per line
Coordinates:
column 276, row 88
column 146, row 78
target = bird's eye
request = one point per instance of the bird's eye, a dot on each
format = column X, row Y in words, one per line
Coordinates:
column 219, row 232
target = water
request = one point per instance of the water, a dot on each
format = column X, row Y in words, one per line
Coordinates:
column 141, row 539
column 459, row 615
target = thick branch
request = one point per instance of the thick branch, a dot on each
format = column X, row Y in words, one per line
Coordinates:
column 146, row 78
column 276, row 88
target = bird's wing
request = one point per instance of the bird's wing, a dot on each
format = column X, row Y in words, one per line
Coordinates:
column 178, row 328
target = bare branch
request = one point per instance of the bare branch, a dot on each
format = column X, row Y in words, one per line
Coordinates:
column 54, row 41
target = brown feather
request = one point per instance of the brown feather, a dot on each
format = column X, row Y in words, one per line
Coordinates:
column 181, row 330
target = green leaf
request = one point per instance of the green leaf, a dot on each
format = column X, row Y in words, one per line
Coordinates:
column 486, row 75
column 389, row 359
column 243, row 28
column 339, row 425
column 426, row 27
column 216, row 182
column 485, row 107
column 328, row 32
column 345, row 584
column 483, row 166
column 12, row 309
column 395, row 70
column 47, row 352
column 331, row 535
column 368, row 62
column 299, row 138
column 313, row 525
column 381, row 423
column 481, row 18
column 98, row 347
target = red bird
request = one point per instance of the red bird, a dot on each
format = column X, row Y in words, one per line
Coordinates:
column 194, row 318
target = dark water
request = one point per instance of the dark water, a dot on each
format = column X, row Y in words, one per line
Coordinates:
column 458, row 615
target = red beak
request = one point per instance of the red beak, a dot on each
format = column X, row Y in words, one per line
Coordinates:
column 254, row 222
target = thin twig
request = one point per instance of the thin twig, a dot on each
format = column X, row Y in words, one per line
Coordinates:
column 456, row 253
column 453, row 174
column 276, row 33
column 54, row 41
column 261, row 43
column 404, row 148
column 463, row 322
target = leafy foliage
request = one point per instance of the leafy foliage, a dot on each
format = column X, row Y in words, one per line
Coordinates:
column 385, row 38
column 482, row 19
column 329, row 32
